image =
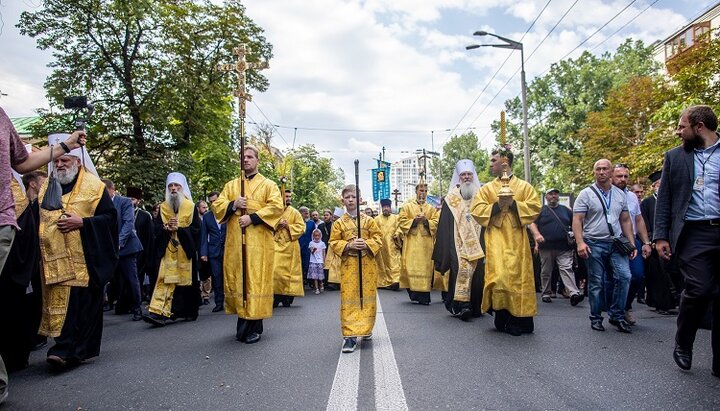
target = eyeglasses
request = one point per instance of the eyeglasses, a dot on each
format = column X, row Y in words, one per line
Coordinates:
column 622, row 165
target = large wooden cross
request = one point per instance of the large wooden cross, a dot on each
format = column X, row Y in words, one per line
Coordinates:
column 240, row 67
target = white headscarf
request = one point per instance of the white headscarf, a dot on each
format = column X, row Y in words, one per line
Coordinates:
column 178, row 178
column 463, row 166
column 80, row 152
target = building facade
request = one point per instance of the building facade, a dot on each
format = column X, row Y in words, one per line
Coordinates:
column 685, row 38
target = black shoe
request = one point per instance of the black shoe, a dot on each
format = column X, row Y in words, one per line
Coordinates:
column 546, row 299
column 192, row 318
column 137, row 315
column 206, row 301
column 252, row 338
column 576, row 299
column 394, row 287
column 513, row 330
column 465, row 314
column 424, row 302
column 641, row 300
column 621, row 325
column 597, row 326
column 107, row 307
column 217, row 308
column 349, row 345
column 56, row 362
column 683, row 358
column 154, row 319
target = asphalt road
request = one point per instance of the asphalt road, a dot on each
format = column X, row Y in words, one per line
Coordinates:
column 425, row 360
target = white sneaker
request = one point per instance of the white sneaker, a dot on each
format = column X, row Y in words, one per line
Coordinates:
column 317, row 292
column 349, row 345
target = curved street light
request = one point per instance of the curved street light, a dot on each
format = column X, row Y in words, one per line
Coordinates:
column 513, row 45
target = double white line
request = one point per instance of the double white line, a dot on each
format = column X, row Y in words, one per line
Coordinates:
column 389, row 394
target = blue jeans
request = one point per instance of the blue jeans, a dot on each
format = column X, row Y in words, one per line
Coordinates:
column 603, row 262
column 637, row 272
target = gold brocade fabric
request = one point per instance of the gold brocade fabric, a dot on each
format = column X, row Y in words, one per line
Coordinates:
column 416, row 268
column 332, row 264
column 21, row 200
column 388, row 259
column 509, row 279
column 466, row 234
column 176, row 265
column 263, row 199
column 356, row 321
column 63, row 260
column 287, row 277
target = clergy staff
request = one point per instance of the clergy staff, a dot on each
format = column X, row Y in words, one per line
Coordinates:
column 79, row 249
column 288, row 276
column 418, row 222
column 388, row 259
column 358, row 293
column 254, row 213
column 458, row 251
column 504, row 207
column 177, row 289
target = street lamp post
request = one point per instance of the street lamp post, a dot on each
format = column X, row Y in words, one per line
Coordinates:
column 514, row 45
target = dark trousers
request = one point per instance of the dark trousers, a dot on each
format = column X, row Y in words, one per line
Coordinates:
column 698, row 258
column 246, row 327
column 128, row 269
column 216, row 268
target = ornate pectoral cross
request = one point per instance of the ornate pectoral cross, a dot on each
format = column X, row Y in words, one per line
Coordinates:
column 240, row 67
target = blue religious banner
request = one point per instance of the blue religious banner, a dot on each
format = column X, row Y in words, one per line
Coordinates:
column 381, row 183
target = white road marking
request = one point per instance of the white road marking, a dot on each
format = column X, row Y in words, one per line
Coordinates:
column 389, row 394
column 344, row 392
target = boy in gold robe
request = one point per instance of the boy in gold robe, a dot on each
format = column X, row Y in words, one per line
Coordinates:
column 249, row 285
column 357, row 304
column 509, row 281
column 418, row 222
column 288, row 278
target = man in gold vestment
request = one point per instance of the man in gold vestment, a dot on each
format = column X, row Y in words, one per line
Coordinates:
column 177, row 289
column 258, row 211
column 287, row 276
column 509, row 281
column 79, row 249
column 388, row 259
column 418, row 223
column 357, row 309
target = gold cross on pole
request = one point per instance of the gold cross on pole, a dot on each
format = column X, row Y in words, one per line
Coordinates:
column 240, row 67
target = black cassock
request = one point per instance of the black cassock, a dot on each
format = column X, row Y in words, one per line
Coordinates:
column 82, row 331
column 19, row 319
column 661, row 288
column 445, row 258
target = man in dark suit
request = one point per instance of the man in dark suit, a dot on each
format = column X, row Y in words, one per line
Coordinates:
column 687, row 225
column 145, row 232
column 129, row 247
column 212, row 244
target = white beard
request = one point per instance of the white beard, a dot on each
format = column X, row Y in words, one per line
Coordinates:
column 468, row 190
column 173, row 199
column 67, row 176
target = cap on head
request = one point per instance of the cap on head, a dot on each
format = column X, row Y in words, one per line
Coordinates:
column 655, row 176
column 385, row 202
column 552, row 190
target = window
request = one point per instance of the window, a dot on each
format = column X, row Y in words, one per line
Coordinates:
column 685, row 39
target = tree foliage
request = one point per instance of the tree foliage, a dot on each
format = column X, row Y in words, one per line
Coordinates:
column 151, row 69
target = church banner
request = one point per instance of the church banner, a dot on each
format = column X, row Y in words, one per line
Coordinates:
column 381, row 183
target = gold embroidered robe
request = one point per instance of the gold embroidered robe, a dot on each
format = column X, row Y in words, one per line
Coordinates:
column 509, row 276
column 287, row 277
column 264, row 200
column 388, row 259
column 356, row 321
column 416, row 269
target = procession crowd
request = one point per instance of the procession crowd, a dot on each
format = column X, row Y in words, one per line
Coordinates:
column 73, row 247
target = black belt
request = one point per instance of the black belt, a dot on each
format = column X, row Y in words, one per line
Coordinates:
column 713, row 222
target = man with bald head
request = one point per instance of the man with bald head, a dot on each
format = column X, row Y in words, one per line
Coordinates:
column 600, row 216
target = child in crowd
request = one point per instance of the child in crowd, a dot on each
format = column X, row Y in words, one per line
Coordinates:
column 317, row 260
column 357, row 303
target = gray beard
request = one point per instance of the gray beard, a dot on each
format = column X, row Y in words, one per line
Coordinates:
column 174, row 200
column 67, row 176
column 468, row 191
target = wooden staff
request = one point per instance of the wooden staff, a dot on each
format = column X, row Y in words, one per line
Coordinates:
column 359, row 233
column 243, row 210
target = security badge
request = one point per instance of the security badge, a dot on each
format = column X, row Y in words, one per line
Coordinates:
column 699, row 183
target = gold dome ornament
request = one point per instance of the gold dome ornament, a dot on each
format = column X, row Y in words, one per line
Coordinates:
column 505, row 190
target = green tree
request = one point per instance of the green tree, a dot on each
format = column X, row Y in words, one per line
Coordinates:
column 151, row 68
column 464, row 146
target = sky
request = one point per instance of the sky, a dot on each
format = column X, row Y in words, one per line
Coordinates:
column 352, row 77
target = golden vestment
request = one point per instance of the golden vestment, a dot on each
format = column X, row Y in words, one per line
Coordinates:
column 416, row 269
column 509, row 278
column 263, row 200
column 176, row 265
column 287, row 277
column 388, row 259
column 63, row 258
column 466, row 236
column 356, row 321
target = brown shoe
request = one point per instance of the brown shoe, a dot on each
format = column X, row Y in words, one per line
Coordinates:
column 629, row 318
column 56, row 362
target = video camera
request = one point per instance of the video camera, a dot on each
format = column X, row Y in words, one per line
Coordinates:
column 79, row 103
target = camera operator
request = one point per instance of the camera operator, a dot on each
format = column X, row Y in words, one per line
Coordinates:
column 14, row 156
column 552, row 231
